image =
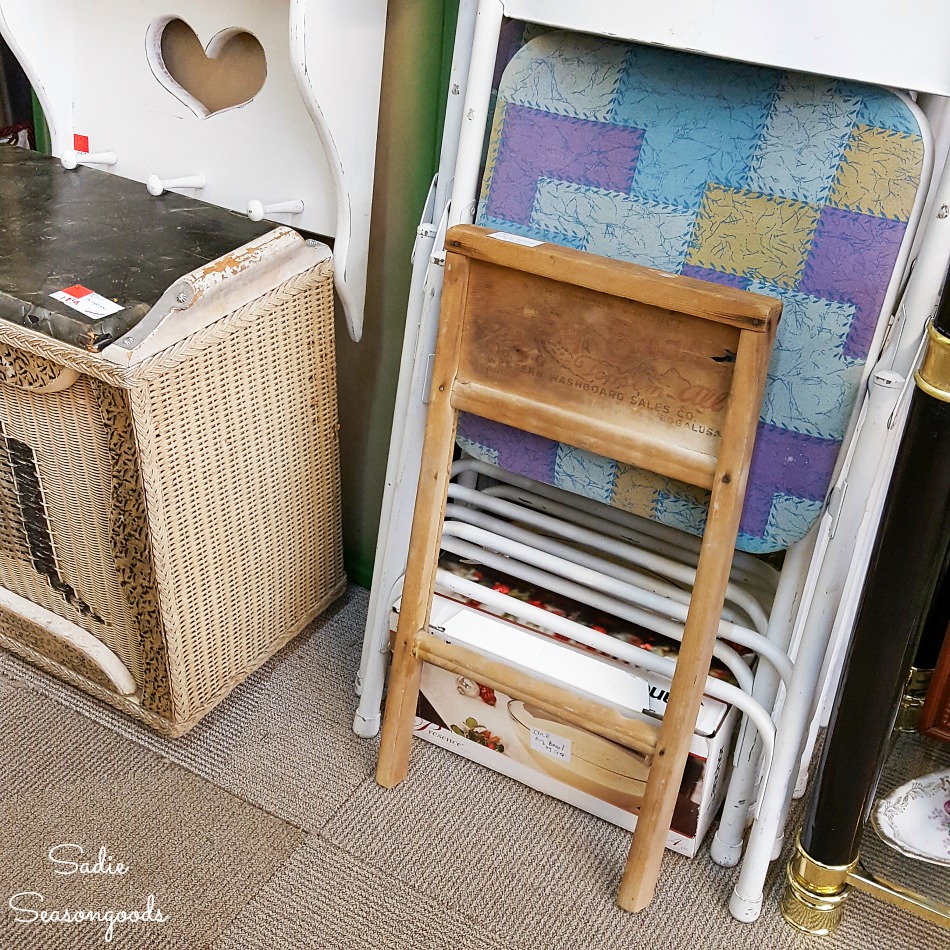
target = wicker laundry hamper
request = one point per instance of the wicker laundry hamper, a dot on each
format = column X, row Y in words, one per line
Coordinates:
column 169, row 490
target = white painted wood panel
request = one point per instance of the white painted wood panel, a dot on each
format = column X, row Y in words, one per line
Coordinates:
column 900, row 43
column 307, row 136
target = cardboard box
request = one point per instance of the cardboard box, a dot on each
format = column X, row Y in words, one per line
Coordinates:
column 557, row 758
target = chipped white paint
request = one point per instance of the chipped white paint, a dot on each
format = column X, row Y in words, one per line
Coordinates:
column 208, row 293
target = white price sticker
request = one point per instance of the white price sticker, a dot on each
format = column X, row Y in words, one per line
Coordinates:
column 87, row 302
column 555, row 746
column 515, row 239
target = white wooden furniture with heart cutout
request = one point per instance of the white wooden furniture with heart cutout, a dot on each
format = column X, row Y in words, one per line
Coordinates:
column 266, row 101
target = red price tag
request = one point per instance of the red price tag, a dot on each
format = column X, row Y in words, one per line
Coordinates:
column 77, row 291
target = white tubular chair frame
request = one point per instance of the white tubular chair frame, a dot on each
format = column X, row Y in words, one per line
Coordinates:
column 651, row 592
column 810, row 611
column 627, row 653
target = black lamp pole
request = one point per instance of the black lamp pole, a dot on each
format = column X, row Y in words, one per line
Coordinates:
column 908, row 567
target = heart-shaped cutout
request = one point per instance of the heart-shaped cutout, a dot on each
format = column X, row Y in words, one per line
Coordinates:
column 228, row 73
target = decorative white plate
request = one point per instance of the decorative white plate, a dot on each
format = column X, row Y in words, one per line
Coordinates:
column 915, row 818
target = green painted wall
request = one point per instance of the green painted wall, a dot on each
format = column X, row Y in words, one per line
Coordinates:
column 40, row 130
column 415, row 73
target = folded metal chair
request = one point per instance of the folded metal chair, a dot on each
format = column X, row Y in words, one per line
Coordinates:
column 739, row 175
column 728, row 172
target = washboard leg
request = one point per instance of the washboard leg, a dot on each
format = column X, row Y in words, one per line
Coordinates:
column 702, row 622
column 423, row 561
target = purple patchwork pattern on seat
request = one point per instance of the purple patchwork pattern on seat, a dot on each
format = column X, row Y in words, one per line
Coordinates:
column 518, row 452
column 789, row 463
column 589, row 132
column 538, row 145
column 849, row 253
column 739, row 281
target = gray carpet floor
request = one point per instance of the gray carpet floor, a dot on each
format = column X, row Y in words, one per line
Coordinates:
column 194, row 846
column 315, row 854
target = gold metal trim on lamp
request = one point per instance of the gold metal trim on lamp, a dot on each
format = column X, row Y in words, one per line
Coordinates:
column 913, row 698
column 815, row 894
column 917, row 904
column 933, row 377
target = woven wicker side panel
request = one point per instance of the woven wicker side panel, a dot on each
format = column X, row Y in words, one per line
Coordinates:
column 132, row 554
column 56, row 475
column 237, row 430
column 28, row 370
column 43, row 359
column 63, row 671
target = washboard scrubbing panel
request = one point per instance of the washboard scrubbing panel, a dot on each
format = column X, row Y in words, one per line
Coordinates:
column 511, row 314
column 791, row 185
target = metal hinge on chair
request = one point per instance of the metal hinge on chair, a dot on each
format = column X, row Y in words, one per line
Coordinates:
column 835, row 501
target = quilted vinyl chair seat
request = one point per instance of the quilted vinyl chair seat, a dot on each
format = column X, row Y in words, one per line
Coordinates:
column 786, row 184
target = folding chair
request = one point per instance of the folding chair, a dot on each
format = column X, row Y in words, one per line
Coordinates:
column 802, row 613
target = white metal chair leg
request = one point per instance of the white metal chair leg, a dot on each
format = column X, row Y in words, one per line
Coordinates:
column 802, row 697
column 399, row 496
column 746, row 901
column 726, row 847
column 455, row 103
column 890, row 429
column 485, row 36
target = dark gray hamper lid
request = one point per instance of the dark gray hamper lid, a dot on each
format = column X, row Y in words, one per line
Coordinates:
column 86, row 227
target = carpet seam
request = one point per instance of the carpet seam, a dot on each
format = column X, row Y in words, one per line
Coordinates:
column 163, row 757
column 264, row 885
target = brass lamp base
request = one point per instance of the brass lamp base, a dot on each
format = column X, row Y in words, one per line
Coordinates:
column 912, row 700
column 815, row 894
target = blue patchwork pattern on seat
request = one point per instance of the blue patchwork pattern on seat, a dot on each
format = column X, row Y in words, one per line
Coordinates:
column 795, row 186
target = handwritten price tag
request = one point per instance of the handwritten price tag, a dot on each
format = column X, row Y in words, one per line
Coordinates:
column 554, row 746
column 87, row 302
